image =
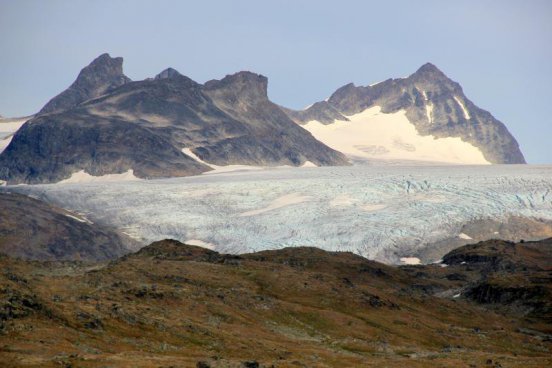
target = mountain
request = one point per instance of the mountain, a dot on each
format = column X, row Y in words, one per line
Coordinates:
column 172, row 304
column 103, row 75
column 32, row 229
column 106, row 124
column 424, row 117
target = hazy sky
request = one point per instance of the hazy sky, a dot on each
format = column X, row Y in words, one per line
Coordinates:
column 499, row 51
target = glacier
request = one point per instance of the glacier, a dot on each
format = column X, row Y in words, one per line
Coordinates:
column 382, row 212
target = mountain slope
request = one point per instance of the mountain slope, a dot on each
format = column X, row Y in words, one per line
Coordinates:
column 8, row 127
column 172, row 304
column 144, row 126
column 32, row 229
column 512, row 277
column 103, row 75
column 425, row 117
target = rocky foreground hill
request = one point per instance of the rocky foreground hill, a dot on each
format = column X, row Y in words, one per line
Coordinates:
column 175, row 305
column 35, row 230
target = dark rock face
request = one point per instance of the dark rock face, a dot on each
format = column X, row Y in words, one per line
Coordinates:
column 144, row 126
column 489, row 293
column 322, row 111
column 435, row 105
column 508, row 276
column 103, row 75
column 31, row 229
column 53, row 147
column 271, row 137
column 15, row 304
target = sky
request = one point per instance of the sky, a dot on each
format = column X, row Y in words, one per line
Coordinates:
column 499, row 51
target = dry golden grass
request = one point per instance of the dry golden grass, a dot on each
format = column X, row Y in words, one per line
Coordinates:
column 176, row 305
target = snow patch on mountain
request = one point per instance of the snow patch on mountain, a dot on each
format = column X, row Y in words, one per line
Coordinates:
column 236, row 168
column 428, row 107
column 464, row 236
column 463, row 107
column 84, row 177
column 372, row 134
column 429, row 111
column 200, row 243
column 410, row 260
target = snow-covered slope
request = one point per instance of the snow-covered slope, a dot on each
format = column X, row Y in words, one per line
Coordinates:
column 372, row 134
column 382, row 212
column 84, row 177
column 218, row 169
column 8, row 127
column 433, row 103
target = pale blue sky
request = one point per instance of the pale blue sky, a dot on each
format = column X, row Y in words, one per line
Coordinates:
column 499, row 51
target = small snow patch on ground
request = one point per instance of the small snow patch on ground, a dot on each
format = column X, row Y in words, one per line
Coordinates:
column 464, row 236
column 130, row 235
column 218, row 169
column 188, row 152
column 308, row 164
column 84, row 177
column 78, row 217
column 200, row 243
column 75, row 218
column 410, row 260
column 456, row 295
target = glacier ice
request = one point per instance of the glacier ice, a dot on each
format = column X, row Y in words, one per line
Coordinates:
column 381, row 212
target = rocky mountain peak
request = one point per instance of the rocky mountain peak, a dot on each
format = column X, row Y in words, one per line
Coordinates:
column 343, row 93
column 101, row 76
column 103, row 68
column 429, row 73
column 168, row 73
column 243, row 84
column 428, row 68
